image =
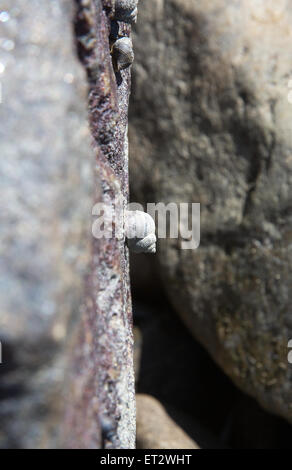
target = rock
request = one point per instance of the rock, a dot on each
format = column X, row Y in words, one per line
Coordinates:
column 46, row 180
column 101, row 409
column 210, row 123
column 52, row 287
column 207, row 406
column 138, row 342
column 156, row 430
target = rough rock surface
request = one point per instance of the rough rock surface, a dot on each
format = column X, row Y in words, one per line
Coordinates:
column 211, row 123
column 207, row 406
column 103, row 375
column 47, row 185
column 46, row 182
column 156, row 430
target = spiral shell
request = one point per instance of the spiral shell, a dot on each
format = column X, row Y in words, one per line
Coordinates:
column 122, row 52
column 126, row 11
column 140, row 232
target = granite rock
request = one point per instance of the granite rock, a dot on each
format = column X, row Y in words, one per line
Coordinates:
column 211, row 123
column 53, row 375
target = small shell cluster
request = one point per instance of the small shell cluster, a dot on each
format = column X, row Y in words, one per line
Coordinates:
column 126, row 11
column 140, row 232
column 122, row 48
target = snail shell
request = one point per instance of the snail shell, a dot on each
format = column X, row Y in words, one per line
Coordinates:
column 122, row 52
column 140, row 232
column 126, row 11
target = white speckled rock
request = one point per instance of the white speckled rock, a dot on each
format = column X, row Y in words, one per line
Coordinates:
column 140, row 232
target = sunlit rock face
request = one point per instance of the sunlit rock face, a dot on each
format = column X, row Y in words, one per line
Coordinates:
column 211, row 123
column 66, row 329
column 46, row 182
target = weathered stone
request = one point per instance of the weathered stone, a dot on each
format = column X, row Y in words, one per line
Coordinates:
column 48, row 186
column 198, row 396
column 210, row 123
column 155, row 428
column 102, row 376
column 46, row 183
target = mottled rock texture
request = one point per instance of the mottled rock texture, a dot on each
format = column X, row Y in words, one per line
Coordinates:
column 49, row 181
column 156, row 429
column 46, row 181
column 211, row 123
column 103, row 378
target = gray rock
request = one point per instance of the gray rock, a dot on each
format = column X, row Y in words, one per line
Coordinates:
column 211, row 123
column 47, row 185
column 102, row 395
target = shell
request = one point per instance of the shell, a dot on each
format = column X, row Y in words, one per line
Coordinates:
column 140, row 232
column 122, row 52
column 126, row 11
